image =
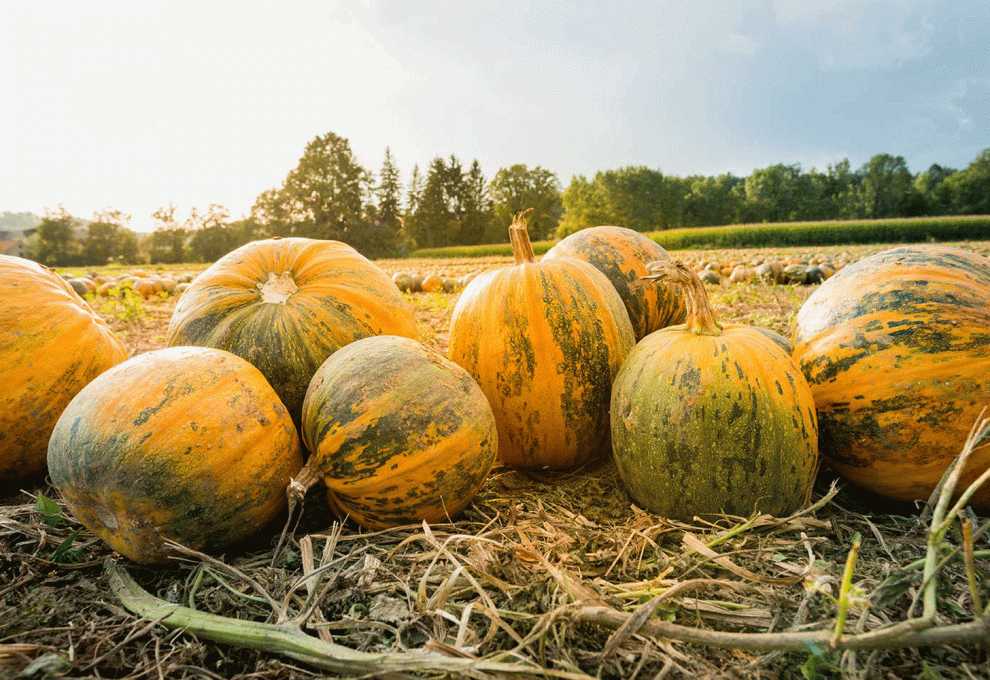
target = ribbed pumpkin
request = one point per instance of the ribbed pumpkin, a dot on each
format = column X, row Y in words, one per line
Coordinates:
column 896, row 348
column 622, row 255
column 187, row 443
column 51, row 345
column 287, row 304
column 398, row 433
column 710, row 418
column 544, row 340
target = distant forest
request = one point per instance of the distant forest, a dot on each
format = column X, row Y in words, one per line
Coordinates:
column 329, row 195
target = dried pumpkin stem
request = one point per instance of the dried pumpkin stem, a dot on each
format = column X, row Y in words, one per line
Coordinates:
column 700, row 315
column 522, row 249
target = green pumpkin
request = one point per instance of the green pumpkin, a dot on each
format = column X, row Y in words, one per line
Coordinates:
column 709, row 419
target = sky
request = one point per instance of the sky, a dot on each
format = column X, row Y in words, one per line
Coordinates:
column 132, row 106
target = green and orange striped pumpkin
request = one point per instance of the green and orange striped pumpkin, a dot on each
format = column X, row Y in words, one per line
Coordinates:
column 189, row 444
column 398, row 433
column 544, row 340
column 622, row 255
column 51, row 345
column 710, row 418
column 285, row 305
column 896, row 348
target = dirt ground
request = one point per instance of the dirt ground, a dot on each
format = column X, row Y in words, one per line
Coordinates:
column 544, row 575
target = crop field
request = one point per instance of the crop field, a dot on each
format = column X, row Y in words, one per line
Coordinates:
column 555, row 575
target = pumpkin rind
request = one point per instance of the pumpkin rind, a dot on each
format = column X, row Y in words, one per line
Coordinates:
column 287, row 304
column 399, row 433
column 188, row 443
column 622, row 255
column 713, row 419
column 51, row 345
column 896, row 348
column 544, row 341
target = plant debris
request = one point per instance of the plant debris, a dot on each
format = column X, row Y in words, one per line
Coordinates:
column 554, row 575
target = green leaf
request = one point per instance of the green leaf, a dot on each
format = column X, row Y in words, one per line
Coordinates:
column 51, row 513
column 65, row 553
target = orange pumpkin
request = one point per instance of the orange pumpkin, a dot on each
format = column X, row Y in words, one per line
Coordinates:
column 51, row 345
column 896, row 348
column 287, row 304
column 399, row 433
column 544, row 340
column 189, row 444
column 622, row 255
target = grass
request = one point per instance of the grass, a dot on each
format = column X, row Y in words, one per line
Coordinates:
column 777, row 235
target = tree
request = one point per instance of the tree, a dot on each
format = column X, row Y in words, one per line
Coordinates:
column 57, row 245
column 211, row 239
column 476, row 207
column 518, row 188
column 968, row 191
column 270, row 214
column 773, row 194
column 387, row 226
column 583, row 207
column 934, row 193
column 886, row 188
column 167, row 243
column 435, row 222
column 414, row 197
column 713, row 201
column 106, row 239
column 322, row 197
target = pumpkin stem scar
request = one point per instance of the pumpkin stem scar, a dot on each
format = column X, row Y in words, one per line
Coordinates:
column 278, row 288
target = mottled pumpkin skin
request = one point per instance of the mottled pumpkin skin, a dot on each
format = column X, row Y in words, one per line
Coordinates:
column 622, row 255
column 544, row 340
column 399, row 433
column 896, row 348
column 287, row 304
column 187, row 443
column 51, row 345
column 705, row 424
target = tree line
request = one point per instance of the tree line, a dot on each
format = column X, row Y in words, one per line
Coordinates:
column 329, row 195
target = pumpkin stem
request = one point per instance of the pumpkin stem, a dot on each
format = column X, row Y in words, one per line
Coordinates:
column 700, row 315
column 522, row 249
column 296, row 493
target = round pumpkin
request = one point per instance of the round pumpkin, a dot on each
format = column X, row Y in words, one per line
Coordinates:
column 287, row 304
column 543, row 339
column 896, row 348
column 51, row 345
column 710, row 418
column 398, row 433
column 622, row 255
column 189, row 444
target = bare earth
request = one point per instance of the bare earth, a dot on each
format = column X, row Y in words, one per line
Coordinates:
column 546, row 575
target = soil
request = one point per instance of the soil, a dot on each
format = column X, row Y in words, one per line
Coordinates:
column 544, row 573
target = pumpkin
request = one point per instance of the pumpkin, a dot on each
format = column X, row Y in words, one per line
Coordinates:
column 189, row 444
column 622, row 255
column 398, row 433
column 51, row 345
column 543, row 339
column 710, row 418
column 896, row 348
column 287, row 304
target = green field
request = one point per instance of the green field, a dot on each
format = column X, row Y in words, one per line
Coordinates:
column 777, row 235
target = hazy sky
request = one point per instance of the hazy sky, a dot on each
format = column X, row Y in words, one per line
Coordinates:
column 134, row 105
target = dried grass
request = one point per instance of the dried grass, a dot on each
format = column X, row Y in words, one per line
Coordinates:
column 544, row 575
